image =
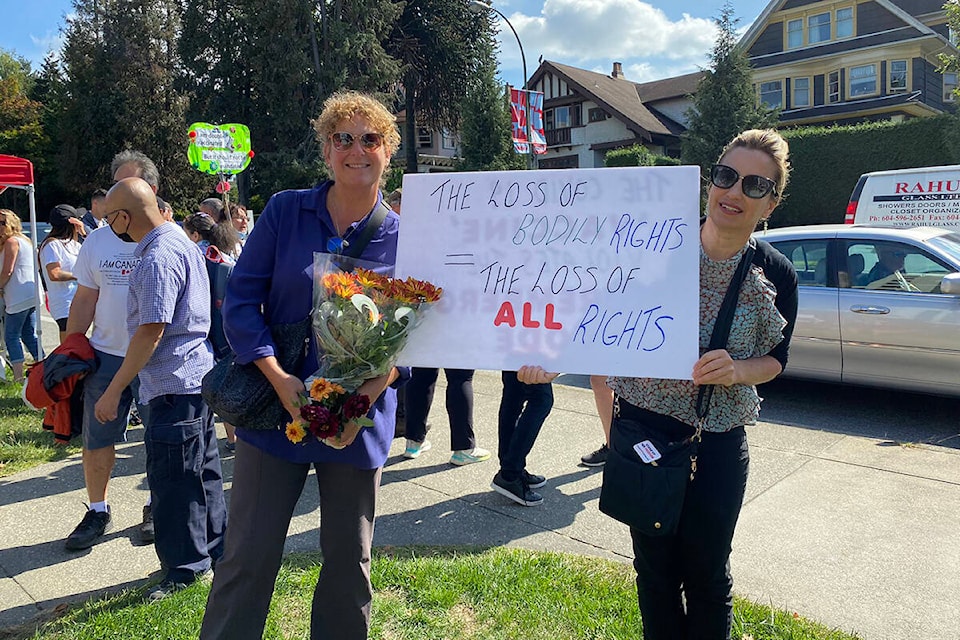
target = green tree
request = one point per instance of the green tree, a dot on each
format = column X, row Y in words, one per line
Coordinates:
column 119, row 62
column 486, row 133
column 439, row 45
column 21, row 129
column 725, row 103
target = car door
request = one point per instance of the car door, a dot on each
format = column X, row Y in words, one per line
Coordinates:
column 815, row 348
column 897, row 328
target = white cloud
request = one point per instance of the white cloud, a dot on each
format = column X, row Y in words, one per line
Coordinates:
column 592, row 34
column 50, row 41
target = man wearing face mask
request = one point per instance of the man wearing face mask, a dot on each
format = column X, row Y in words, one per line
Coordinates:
column 103, row 273
column 168, row 312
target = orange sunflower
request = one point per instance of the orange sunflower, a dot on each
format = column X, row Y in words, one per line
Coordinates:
column 295, row 431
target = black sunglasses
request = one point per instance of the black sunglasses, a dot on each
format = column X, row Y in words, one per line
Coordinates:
column 753, row 186
column 343, row 141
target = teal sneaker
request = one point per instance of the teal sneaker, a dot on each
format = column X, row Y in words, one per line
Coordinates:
column 461, row 458
column 414, row 449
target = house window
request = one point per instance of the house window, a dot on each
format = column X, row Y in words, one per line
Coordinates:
column 898, row 76
column 845, row 22
column 953, row 36
column 562, row 117
column 794, row 34
column 771, row 94
column 596, row 114
column 424, row 137
column 863, row 80
column 801, row 92
column 448, row 140
column 949, row 86
column 833, row 81
column 818, row 28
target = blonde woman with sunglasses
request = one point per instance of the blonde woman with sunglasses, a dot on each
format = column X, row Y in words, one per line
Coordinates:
column 272, row 282
column 684, row 585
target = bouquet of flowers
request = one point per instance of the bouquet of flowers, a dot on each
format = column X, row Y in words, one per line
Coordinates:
column 361, row 321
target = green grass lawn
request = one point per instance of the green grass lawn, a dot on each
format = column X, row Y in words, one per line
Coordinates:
column 23, row 443
column 437, row 594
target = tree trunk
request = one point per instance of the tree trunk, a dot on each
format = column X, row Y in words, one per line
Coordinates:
column 409, row 86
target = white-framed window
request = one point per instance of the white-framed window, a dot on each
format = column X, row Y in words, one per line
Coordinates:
column 863, row 81
column 833, row 86
column 561, row 117
column 898, row 76
column 845, row 22
column 949, row 86
column 794, row 33
column 771, row 94
column 424, row 137
column 818, row 28
column 448, row 140
column 800, row 97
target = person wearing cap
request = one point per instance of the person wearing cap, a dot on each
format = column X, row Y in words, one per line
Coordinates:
column 58, row 254
column 18, row 286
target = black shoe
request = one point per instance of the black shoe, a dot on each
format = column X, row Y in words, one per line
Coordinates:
column 596, row 459
column 134, row 420
column 533, row 480
column 517, row 491
column 93, row 525
column 146, row 527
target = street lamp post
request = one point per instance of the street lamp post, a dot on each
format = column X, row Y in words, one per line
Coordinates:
column 477, row 6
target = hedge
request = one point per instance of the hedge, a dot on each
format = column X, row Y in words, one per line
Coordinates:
column 827, row 161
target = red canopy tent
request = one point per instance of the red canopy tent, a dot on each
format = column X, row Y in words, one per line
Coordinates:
column 17, row 173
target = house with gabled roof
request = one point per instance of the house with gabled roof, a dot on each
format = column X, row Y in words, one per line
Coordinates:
column 846, row 61
column 586, row 114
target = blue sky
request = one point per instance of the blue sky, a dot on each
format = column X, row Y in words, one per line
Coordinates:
column 653, row 39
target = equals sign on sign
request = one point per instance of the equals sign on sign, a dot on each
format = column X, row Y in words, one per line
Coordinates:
column 459, row 260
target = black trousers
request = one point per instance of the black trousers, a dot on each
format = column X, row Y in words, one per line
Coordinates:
column 695, row 561
column 459, row 403
column 523, row 408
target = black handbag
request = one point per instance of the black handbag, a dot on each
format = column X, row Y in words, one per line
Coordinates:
column 648, row 496
column 241, row 395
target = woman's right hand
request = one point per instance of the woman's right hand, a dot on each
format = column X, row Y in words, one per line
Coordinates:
column 529, row 374
column 290, row 390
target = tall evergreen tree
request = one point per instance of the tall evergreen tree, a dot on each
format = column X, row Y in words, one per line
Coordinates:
column 119, row 61
column 725, row 102
column 439, row 44
column 486, row 133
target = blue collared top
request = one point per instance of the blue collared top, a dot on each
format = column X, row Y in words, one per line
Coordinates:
column 272, row 283
column 170, row 285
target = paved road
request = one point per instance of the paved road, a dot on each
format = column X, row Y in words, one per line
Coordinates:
column 851, row 517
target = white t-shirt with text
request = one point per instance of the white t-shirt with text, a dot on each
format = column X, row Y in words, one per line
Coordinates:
column 104, row 264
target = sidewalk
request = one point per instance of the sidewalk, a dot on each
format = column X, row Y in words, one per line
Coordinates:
column 838, row 528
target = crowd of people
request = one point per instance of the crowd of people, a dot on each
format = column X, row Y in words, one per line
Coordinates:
column 140, row 287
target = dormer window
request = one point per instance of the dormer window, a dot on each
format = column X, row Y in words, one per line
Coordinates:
column 898, row 76
column 818, row 28
column 844, row 22
column 794, row 34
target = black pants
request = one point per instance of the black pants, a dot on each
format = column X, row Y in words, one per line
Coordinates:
column 523, row 408
column 459, row 403
column 696, row 559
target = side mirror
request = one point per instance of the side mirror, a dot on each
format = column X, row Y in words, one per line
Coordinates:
column 950, row 284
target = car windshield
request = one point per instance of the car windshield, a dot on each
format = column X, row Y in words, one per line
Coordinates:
column 948, row 243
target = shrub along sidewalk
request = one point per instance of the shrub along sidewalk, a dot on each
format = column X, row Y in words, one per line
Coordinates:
column 437, row 594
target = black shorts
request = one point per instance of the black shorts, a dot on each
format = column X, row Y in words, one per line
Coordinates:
column 62, row 323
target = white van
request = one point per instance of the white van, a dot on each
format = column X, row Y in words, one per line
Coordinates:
column 926, row 196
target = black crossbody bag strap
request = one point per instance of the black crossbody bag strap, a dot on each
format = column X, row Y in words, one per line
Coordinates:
column 355, row 248
column 721, row 329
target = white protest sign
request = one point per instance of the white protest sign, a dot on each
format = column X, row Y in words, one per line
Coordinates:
column 592, row 271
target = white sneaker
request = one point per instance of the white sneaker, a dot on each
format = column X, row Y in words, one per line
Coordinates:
column 414, row 449
column 469, row 456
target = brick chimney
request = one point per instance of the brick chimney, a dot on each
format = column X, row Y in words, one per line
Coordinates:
column 617, row 70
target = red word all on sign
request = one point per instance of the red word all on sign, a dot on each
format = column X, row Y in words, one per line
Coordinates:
column 506, row 315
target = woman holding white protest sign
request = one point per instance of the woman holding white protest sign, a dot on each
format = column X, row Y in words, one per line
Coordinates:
column 678, row 461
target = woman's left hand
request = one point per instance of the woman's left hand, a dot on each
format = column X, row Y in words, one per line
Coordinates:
column 372, row 389
column 715, row 367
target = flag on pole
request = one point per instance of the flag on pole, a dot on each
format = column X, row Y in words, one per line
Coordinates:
column 523, row 105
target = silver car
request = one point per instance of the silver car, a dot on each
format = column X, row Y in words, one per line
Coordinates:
column 879, row 306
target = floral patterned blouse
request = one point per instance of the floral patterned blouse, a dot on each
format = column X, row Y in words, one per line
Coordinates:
column 757, row 328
